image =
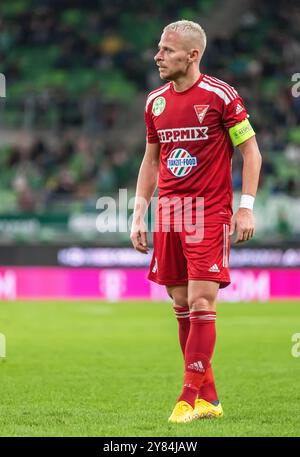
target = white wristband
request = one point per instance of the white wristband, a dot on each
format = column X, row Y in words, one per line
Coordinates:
column 247, row 201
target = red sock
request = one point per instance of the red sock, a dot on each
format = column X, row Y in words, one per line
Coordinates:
column 198, row 353
column 183, row 318
column 208, row 389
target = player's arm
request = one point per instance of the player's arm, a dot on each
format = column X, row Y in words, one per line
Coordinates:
column 243, row 220
column 146, row 186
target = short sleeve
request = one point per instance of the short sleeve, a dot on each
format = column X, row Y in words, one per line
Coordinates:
column 234, row 111
column 152, row 136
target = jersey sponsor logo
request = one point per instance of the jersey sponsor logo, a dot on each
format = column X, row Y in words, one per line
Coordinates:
column 182, row 134
column 239, row 109
column 201, row 110
column 180, row 162
column 158, row 106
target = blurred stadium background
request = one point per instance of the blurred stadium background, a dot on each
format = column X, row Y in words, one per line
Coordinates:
column 77, row 74
column 71, row 131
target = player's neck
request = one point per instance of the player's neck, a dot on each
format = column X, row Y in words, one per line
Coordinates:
column 187, row 81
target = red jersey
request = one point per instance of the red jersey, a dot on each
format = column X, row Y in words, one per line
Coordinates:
column 195, row 148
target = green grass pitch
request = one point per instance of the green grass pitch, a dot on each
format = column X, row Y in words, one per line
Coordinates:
column 115, row 369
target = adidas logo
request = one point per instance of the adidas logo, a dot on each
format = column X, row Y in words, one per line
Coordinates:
column 239, row 109
column 214, row 268
column 197, row 366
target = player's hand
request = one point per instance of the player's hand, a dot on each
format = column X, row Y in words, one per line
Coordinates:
column 244, row 225
column 138, row 237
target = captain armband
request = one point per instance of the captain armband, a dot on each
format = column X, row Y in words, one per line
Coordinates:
column 241, row 132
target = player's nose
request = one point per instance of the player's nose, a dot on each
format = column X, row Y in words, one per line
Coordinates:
column 157, row 56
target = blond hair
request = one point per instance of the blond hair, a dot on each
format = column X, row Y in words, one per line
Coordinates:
column 191, row 29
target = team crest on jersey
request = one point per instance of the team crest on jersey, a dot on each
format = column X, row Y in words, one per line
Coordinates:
column 180, row 162
column 201, row 110
column 158, row 106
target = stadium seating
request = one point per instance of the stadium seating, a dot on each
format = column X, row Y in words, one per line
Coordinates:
column 77, row 79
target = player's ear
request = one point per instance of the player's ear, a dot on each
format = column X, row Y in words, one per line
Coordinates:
column 193, row 55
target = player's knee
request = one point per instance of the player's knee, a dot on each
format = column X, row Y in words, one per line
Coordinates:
column 179, row 298
column 180, row 302
column 201, row 303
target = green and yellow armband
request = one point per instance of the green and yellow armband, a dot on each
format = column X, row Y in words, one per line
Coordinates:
column 241, row 132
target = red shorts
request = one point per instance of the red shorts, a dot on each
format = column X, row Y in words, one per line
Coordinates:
column 176, row 259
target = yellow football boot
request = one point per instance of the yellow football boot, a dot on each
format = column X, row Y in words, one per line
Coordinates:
column 204, row 410
column 182, row 413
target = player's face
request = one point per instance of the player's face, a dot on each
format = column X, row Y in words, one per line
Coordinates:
column 172, row 57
